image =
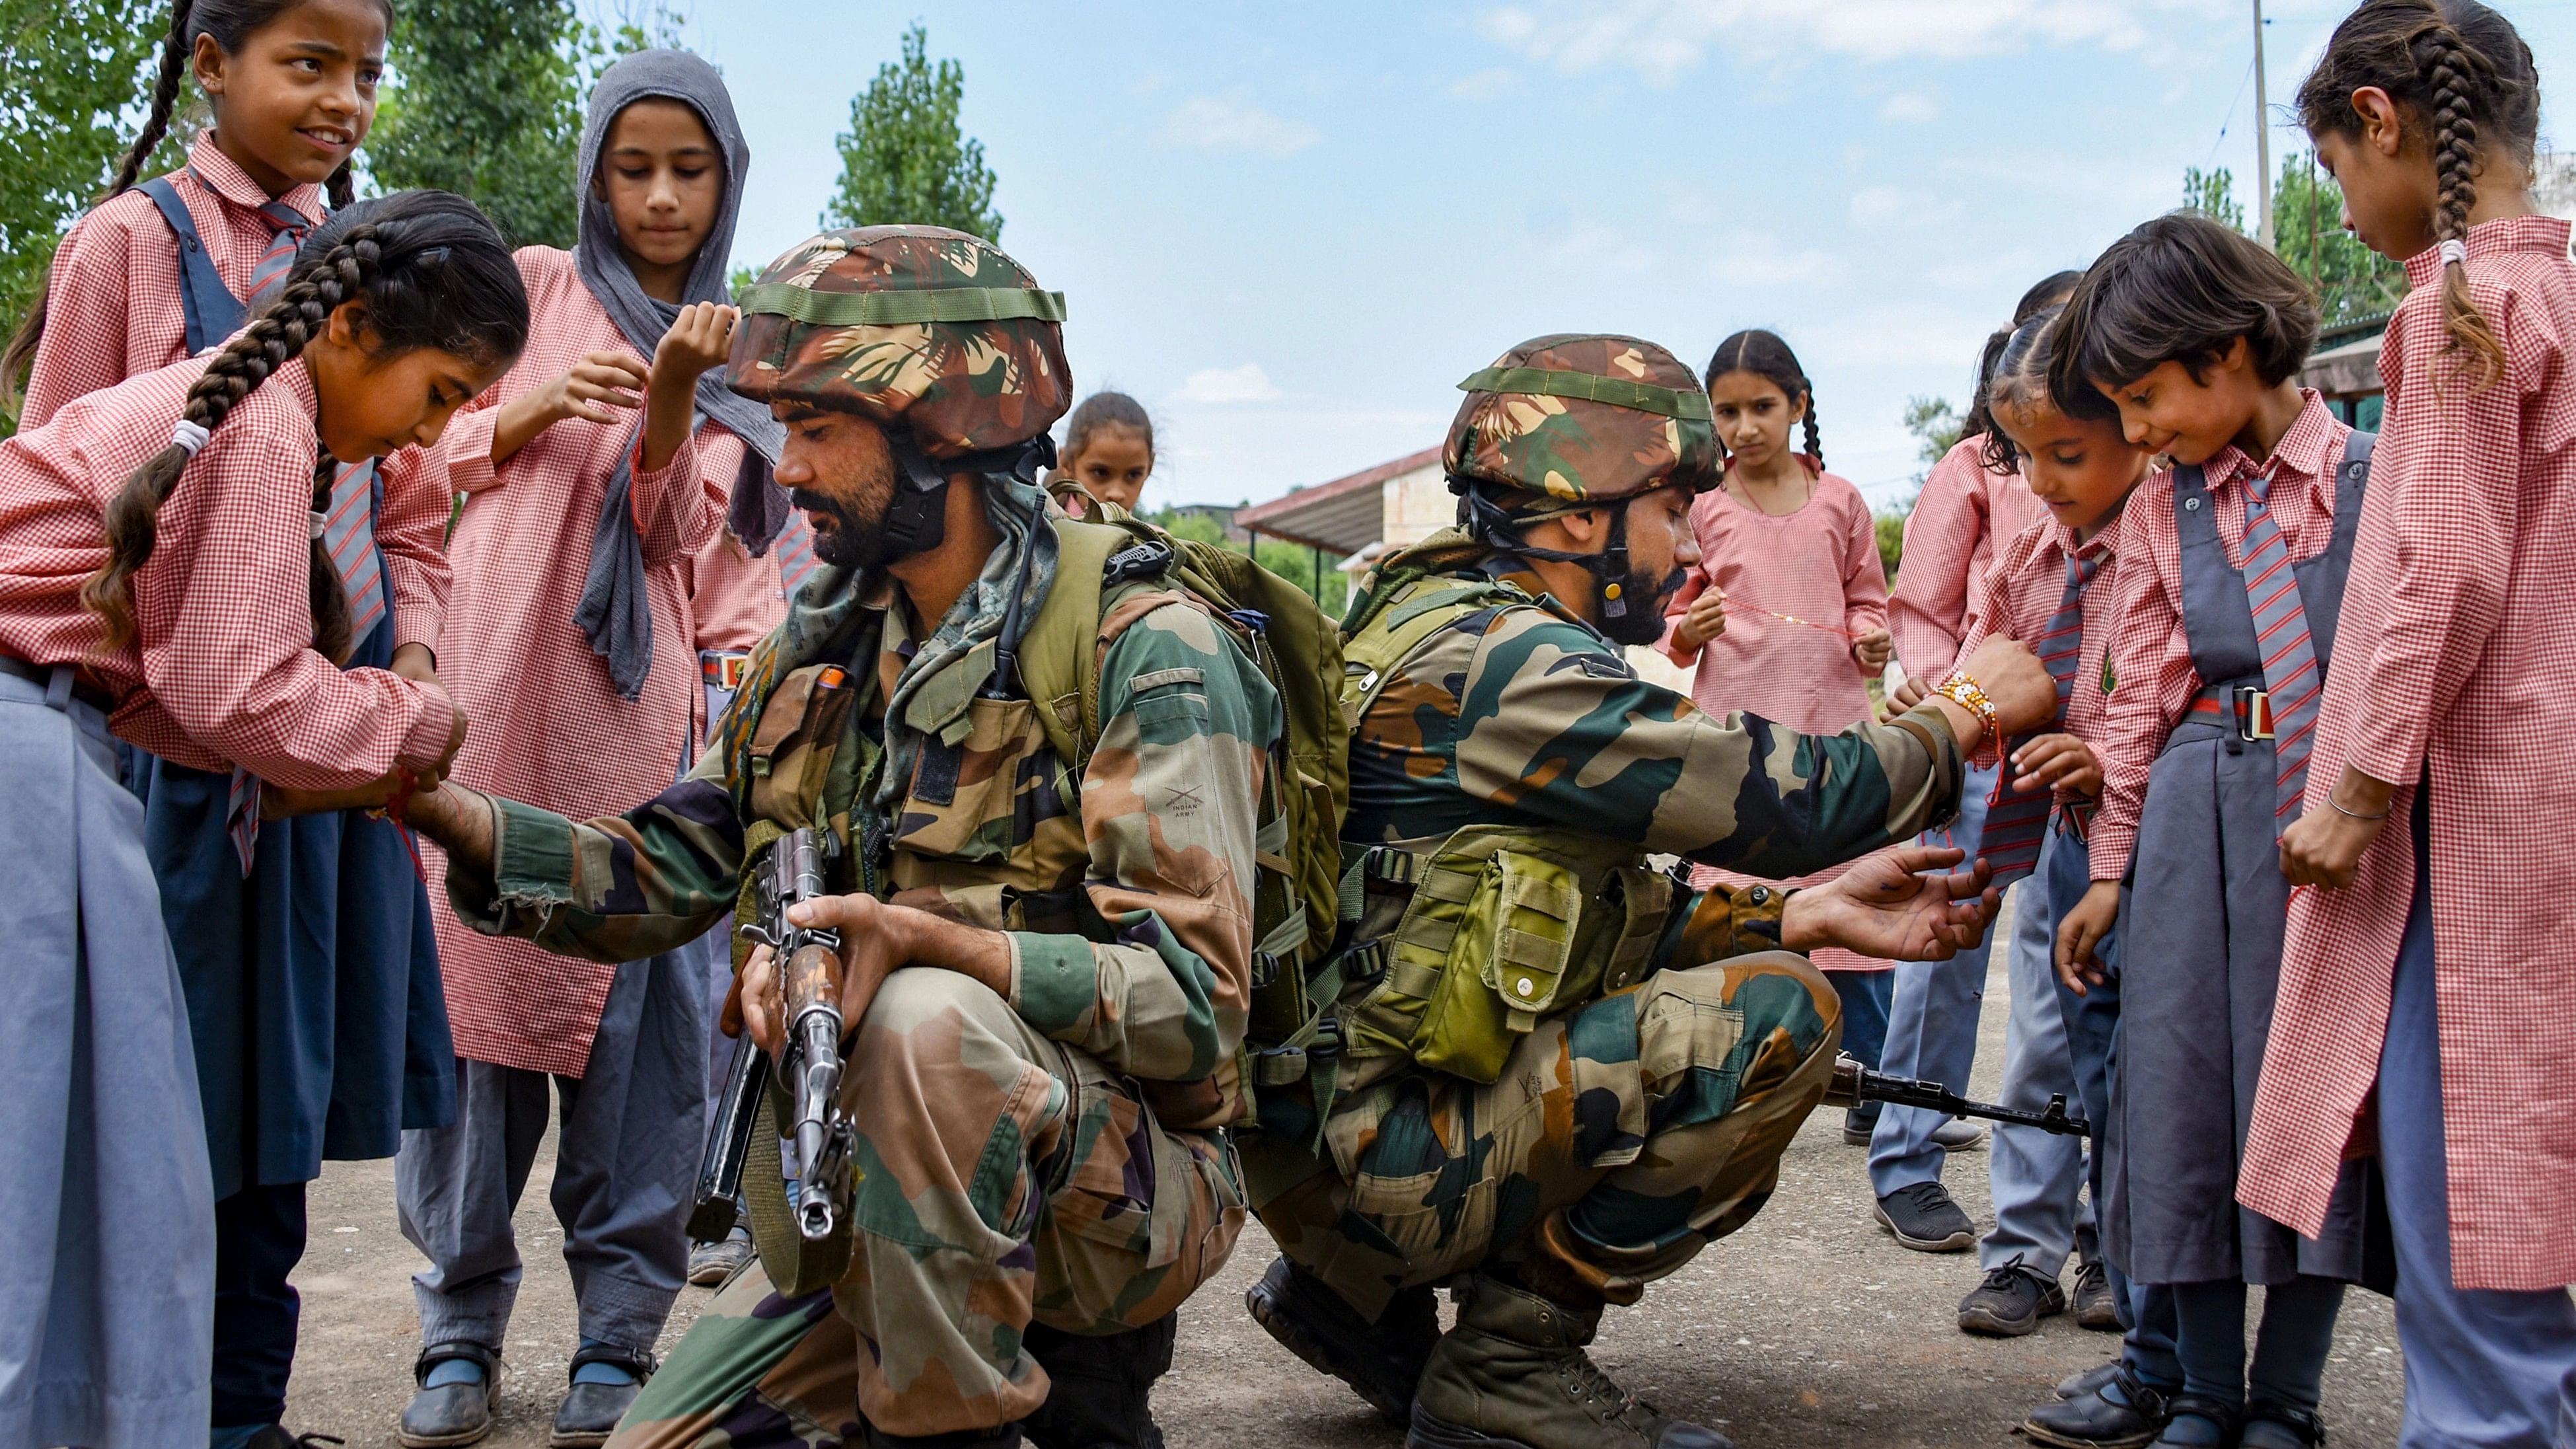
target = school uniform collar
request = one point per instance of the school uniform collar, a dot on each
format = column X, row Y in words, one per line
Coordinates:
column 2105, row 543
column 2544, row 234
column 2310, row 450
column 219, row 174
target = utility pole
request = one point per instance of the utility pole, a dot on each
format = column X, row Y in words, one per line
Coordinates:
column 2262, row 140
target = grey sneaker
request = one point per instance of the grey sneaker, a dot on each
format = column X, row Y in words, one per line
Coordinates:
column 1960, row 1135
column 2092, row 1299
column 2011, row 1302
column 1923, row 1217
column 711, row 1264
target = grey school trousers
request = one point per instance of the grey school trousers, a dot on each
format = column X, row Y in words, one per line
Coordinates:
column 626, row 1160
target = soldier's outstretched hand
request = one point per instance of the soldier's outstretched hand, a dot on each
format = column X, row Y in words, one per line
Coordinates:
column 1903, row 903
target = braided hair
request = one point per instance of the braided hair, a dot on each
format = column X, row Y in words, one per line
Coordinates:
column 2018, row 378
column 1767, row 357
column 428, row 269
column 2465, row 79
column 232, row 23
column 2047, row 295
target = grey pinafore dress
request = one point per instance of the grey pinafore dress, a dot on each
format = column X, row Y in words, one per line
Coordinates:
column 2201, row 934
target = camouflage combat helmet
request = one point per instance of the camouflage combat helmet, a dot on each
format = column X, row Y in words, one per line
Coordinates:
column 918, row 325
column 1583, row 417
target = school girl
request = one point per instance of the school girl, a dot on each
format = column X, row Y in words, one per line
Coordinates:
column 305, row 945
column 1785, row 614
column 199, row 621
column 1969, row 509
column 1108, row 453
column 590, row 474
column 2439, row 847
column 2234, row 562
column 2049, row 587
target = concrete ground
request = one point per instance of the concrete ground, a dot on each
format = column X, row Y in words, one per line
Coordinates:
column 1809, row 1328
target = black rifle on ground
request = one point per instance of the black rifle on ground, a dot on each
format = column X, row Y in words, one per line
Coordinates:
column 809, row 966
column 1854, row 1084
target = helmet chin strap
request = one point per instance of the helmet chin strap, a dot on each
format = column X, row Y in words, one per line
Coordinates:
column 917, row 520
column 1489, row 524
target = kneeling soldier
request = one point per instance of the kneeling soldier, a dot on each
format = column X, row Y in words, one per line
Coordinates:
column 1538, row 1060
column 1048, row 957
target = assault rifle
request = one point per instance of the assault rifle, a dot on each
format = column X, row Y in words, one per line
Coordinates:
column 1853, row 1084
column 729, row 1143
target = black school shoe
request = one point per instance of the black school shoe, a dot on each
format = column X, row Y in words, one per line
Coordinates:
column 1924, row 1217
column 2121, row 1414
column 2011, row 1302
column 589, row 1412
column 274, row 1436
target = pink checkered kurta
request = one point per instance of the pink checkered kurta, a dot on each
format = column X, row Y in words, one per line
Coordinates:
column 2456, row 650
column 2019, row 598
column 2150, row 655
column 547, row 726
column 735, row 599
column 1819, row 563
column 1961, row 520
column 223, row 671
column 113, row 308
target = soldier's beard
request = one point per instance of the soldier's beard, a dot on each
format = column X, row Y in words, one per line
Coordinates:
column 1643, row 622
column 857, row 537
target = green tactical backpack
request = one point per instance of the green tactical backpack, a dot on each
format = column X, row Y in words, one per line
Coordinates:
column 1298, row 648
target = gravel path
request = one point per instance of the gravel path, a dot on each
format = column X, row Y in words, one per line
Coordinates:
column 1809, row 1328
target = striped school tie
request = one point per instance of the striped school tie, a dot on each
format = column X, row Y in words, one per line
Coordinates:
column 796, row 561
column 2281, row 633
column 2015, row 821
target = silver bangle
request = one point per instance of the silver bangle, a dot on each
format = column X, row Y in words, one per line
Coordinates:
column 2351, row 814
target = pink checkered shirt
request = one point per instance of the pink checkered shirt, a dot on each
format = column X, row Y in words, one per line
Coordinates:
column 113, row 310
column 2150, row 656
column 1964, row 515
column 548, row 727
column 223, row 671
column 2020, row 597
column 2457, row 644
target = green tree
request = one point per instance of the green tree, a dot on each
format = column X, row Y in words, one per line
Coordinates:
column 1294, row 562
column 2213, row 195
column 487, row 98
column 904, row 159
column 2351, row 281
column 69, row 71
column 1937, row 428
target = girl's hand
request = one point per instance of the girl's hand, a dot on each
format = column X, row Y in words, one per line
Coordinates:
column 1705, row 620
column 601, row 381
column 1874, row 649
column 2084, row 928
column 697, row 342
column 431, row 778
column 415, row 663
column 1909, row 694
column 2324, row 846
column 2057, row 762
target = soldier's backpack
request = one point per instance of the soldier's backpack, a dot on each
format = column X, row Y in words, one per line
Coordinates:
column 1298, row 648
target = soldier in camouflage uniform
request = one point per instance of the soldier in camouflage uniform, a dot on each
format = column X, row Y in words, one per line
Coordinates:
column 1049, row 958
column 1653, row 1051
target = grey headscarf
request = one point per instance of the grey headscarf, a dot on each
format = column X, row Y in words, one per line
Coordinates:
column 613, row 611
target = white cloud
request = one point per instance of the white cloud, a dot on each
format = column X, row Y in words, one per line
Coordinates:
column 1878, row 206
column 1910, row 106
column 1244, row 384
column 1752, row 259
column 1222, row 125
column 1661, row 39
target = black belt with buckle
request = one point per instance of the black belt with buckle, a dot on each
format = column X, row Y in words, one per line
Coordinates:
column 42, row 676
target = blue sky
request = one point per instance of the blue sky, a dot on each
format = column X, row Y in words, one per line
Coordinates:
column 1290, row 230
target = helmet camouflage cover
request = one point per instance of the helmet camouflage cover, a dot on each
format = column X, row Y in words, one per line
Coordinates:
column 918, row 325
column 1583, row 416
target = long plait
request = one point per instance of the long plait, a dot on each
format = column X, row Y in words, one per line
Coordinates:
column 20, row 355
column 340, row 187
column 2450, row 71
column 1815, row 448
column 317, row 285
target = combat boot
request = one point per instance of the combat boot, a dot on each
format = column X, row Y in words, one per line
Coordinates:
column 1381, row 1361
column 1099, row 1388
column 1513, row 1375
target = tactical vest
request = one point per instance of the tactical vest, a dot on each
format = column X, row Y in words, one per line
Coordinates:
column 1453, row 953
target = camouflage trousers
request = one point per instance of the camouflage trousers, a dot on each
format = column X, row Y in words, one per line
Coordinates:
column 1621, row 1138
column 1007, row 1180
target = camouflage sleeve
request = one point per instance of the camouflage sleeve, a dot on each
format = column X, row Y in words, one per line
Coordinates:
column 1169, row 802
column 1724, row 922
column 618, row 888
column 1552, row 724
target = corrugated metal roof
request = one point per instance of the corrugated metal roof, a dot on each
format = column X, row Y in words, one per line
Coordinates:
column 1342, row 516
